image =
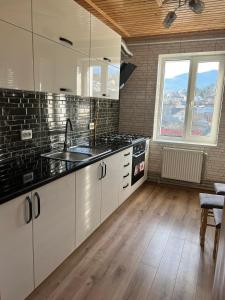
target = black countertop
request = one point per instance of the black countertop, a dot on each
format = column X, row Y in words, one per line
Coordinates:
column 19, row 176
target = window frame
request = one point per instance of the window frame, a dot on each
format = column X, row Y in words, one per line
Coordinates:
column 195, row 59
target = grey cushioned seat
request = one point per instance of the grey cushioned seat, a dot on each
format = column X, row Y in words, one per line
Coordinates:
column 211, row 201
column 218, row 215
column 219, row 188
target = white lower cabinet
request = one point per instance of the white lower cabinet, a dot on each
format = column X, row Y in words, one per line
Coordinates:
column 16, row 249
column 54, row 228
column 88, row 201
column 125, row 175
column 38, row 231
column 110, row 185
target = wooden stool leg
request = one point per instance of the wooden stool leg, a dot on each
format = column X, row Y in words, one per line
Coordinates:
column 216, row 242
column 203, row 227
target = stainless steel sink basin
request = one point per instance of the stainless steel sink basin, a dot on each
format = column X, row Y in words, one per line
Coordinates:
column 68, row 156
column 92, row 150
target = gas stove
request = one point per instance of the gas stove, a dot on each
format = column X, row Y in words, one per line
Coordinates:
column 121, row 138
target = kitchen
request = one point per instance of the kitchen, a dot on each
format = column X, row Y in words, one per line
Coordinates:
column 93, row 201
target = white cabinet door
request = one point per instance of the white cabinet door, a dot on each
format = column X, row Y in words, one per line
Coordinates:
column 65, row 22
column 98, row 78
column 113, row 81
column 16, row 250
column 110, row 185
column 104, row 80
column 16, row 12
column 16, row 58
column 54, row 228
column 59, row 69
column 105, row 43
column 88, row 201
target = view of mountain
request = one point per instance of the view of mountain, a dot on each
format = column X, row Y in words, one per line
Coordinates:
column 180, row 82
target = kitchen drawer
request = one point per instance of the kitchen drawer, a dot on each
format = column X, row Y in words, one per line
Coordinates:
column 127, row 156
column 125, row 190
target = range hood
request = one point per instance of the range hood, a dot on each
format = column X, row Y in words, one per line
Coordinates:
column 126, row 68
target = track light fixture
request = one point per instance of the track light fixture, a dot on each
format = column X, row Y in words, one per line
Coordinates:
column 197, row 6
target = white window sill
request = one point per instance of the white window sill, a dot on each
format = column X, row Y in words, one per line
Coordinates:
column 183, row 142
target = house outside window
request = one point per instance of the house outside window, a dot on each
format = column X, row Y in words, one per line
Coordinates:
column 189, row 98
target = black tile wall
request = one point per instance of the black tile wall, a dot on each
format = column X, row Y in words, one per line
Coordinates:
column 46, row 115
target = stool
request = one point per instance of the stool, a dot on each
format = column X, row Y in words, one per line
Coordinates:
column 219, row 188
column 218, row 215
column 207, row 203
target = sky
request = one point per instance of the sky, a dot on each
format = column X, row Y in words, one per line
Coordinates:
column 175, row 68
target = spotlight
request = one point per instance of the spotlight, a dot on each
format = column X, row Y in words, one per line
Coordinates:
column 197, row 6
column 169, row 19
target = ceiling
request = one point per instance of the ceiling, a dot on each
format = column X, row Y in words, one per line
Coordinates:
column 143, row 18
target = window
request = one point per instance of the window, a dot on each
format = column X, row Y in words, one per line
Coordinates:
column 188, row 101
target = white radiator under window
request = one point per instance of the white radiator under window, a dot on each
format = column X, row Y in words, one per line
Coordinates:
column 182, row 164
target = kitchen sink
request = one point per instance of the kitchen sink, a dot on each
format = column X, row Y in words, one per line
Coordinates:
column 68, row 156
column 92, row 150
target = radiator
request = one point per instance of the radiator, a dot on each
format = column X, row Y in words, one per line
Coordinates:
column 182, row 164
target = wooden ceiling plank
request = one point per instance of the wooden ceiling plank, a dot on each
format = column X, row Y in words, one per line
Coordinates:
column 135, row 18
column 106, row 16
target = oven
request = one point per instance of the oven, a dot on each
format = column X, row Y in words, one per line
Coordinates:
column 138, row 161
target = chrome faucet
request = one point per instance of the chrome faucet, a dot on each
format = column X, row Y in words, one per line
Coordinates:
column 68, row 122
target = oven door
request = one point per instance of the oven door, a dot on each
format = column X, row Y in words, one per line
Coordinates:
column 138, row 166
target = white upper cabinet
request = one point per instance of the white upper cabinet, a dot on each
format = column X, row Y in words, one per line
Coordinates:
column 105, row 43
column 59, row 69
column 104, row 80
column 65, row 22
column 17, row 12
column 16, row 58
column 53, row 225
column 16, row 250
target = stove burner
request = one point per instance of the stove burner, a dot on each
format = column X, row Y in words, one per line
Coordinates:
column 120, row 138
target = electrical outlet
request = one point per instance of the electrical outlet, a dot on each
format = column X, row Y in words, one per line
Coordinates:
column 92, row 126
column 26, row 135
column 28, row 177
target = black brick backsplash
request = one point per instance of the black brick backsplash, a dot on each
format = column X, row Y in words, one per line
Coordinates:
column 46, row 115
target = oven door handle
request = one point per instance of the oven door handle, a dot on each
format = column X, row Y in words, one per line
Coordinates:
column 138, row 155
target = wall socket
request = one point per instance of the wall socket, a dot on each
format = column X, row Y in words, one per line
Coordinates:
column 92, row 126
column 26, row 135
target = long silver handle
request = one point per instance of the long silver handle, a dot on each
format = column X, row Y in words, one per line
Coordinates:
column 101, row 171
column 36, row 196
column 28, row 215
column 138, row 155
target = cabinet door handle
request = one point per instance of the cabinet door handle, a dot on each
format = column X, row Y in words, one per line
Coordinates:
column 124, row 187
column 105, row 170
column 125, row 176
column 107, row 59
column 101, row 175
column 104, row 95
column 127, row 154
column 65, row 90
column 126, row 165
column 62, row 39
column 29, row 217
column 36, row 196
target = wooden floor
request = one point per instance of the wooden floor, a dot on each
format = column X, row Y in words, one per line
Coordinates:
column 148, row 249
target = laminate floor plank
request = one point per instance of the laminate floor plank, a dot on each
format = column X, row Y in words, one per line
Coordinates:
column 147, row 250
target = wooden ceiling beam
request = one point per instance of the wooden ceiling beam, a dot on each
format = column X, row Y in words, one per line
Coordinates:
column 106, row 17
